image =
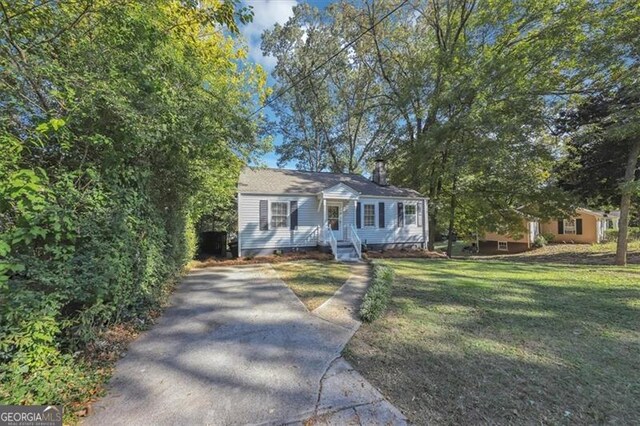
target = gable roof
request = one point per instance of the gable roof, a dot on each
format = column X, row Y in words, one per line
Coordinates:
column 283, row 181
column 598, row 213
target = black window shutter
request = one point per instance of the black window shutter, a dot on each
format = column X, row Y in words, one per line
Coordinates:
column 293, row 222
column 400, row 214
column 579, row 226
column 358, row 215
column 381, row 215
column 264, row 215
column 560, row 227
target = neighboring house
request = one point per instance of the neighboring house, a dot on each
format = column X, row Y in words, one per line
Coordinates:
column 494, row 242
column 585, row 226
column 289, row 210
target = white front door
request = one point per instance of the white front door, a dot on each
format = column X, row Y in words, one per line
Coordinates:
column 534, row 230
column 334, row 219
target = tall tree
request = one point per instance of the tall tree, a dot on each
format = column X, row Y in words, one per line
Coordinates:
column 330, row 116
column 470, row 77
column 602, row 119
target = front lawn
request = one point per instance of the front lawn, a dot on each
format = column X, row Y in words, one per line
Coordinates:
column 313, row 281
column 473, row 342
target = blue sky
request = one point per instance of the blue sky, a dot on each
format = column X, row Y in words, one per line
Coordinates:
column 266, row 14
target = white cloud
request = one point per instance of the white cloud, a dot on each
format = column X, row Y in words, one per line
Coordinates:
column 267, row 13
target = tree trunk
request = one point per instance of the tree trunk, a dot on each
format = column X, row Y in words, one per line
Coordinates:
column 625, row 204
column 432, row 231
column 433, row 213
column 452, row 216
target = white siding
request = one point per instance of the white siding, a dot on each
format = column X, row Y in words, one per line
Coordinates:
column 391, row 233
column 310, row 217
column 340, row 191
column 251, row 237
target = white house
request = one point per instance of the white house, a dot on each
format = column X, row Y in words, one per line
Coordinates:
column 292, row 210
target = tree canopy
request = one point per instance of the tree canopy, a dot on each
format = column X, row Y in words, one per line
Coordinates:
column 461, row 89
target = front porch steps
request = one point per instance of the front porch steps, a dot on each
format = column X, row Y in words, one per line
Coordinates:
column 347, row 253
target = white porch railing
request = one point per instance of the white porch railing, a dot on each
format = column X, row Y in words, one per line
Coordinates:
column 355, row 240
column 331, row 239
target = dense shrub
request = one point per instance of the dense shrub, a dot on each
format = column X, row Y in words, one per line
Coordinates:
column 376, row 299
column 540, row 241
column 611, row 235
column 114, row 142
column 633, row 235
column 548, row 237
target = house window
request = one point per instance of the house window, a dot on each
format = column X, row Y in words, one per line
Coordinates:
column 279, row 214
column 369, row 215
column 410, row 217
column 569, row 226
column 503, row 246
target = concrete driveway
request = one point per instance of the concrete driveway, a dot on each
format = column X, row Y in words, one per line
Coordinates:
column 238, row 347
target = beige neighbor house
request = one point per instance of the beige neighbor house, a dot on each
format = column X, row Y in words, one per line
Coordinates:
column 584, row 227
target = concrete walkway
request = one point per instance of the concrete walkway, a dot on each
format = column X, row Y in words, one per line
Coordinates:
column 238, row 347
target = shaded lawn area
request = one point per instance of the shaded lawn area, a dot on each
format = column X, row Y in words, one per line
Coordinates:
column 457, row 247
column 503, row 342
column 313, row 281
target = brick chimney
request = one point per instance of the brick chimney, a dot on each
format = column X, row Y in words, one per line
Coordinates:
column 380, row 173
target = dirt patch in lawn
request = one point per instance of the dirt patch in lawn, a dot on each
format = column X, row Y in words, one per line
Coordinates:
column 476, row 342
column 313, row 281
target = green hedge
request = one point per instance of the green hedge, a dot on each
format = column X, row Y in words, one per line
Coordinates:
column 111, row 261
column 117, row 145
column 633, row 235
column 377, row 297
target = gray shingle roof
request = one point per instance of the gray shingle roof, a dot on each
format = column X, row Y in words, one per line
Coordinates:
column 283, row 181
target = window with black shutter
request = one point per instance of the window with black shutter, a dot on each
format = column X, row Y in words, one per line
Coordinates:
column 381, row 223
column 294, row 215
column 264, row 215
column 400, row 215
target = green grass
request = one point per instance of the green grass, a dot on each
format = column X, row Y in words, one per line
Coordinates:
column 313, row 281
column 505, row 342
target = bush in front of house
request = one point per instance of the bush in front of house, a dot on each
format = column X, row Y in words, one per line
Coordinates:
column 548, row 237
column 540, row 241
column 612, row 234
column 377, row 298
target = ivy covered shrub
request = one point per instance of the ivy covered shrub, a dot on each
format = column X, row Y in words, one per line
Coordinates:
column 377, row 297
column 69, row 273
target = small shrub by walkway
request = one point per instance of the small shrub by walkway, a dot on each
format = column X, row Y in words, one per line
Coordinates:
column 376, row 299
